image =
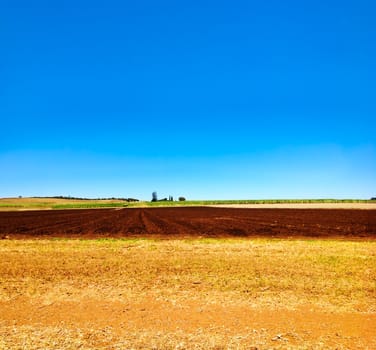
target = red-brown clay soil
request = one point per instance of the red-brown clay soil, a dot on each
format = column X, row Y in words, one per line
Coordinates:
column 32, row 323
column 260, row 329
column 190, row 222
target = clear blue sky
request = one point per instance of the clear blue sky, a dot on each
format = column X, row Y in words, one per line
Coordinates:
column 204, row 99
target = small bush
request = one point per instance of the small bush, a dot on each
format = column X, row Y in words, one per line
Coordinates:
column 181, row 199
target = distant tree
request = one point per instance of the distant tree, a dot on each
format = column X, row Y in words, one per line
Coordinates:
column 181, row 199
column 132, row 200
column 154, row 197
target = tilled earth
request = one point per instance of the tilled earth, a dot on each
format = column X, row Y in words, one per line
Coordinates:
column 189, row 221
column 181, row 294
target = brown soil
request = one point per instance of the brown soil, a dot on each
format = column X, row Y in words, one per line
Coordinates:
column 192, row 323
column 252, row 328
column 190, row 222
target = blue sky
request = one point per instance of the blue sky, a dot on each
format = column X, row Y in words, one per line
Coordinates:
column 204, row 99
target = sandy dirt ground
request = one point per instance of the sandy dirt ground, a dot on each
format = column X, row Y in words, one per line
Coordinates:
column 159, row 325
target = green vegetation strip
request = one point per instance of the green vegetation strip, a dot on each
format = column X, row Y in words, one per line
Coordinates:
column 253, row 201
column 89, row 205
column 47, row 203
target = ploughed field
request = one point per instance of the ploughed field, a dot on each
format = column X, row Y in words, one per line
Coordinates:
column 236, row 283
column 188, row 221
